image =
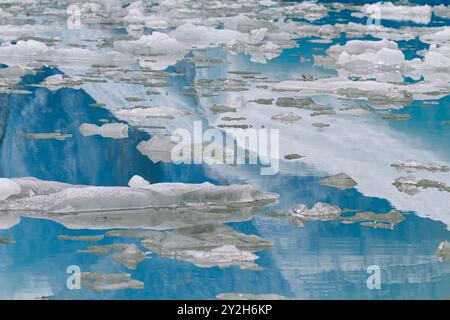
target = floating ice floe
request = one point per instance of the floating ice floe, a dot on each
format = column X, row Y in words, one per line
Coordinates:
column 58, row 81
column 156, row 112
column 203, row 245
column 340, row 181
column 6, row 241
column 396, row 12
column 443, row 251
column 375, row 220
column 320, row 211
column 412, row 185
column 44, row 136
column 300, row 214
column 157, row 149
column 380, row 95
column 156, row 206
column 112, row 281
column 287, row 117
column 160, row 48
column 138, row 182
column 108, row 130
column 127, row 254
column 81, row 238
column 32, row 52
column 413, row 166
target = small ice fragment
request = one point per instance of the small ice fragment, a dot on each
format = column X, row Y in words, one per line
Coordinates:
column 138, row 182
column 81, row 238
column 108, row 130
column 157, row 149
column 340, row 181
column 443, row 251
column 320, row 211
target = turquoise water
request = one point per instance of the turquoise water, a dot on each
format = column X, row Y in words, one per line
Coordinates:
column 323, row 260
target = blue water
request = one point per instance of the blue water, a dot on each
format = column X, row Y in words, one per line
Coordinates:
column 320, row 261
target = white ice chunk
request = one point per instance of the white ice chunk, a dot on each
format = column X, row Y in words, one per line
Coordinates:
column 8, row 188
column 108, row 130
column 138, row 182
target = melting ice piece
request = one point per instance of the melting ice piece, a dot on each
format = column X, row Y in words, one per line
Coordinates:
column 375, row 220
column 443, row 251
column 320, row 211
column 49, row 135
column 128, row 254
column 108, row 130
column 157, row 206
column 411, row 185
column 8, row 188
column 340, row 181
column 112, row 281
column 138, row 182
column 157, row 149
column 135, row 114
column 6, row 241
column 81, row 238
column 203, row 245
column 57, row 81
column 223, row 257
column 413, row 166
column 287, row 117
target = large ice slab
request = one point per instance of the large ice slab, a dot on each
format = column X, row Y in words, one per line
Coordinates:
column 152, row 206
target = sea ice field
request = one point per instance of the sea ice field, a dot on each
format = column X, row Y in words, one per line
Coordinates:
column 219, row 149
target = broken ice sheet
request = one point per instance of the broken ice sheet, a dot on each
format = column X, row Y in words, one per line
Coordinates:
column 203, row 245
column 128, row 254
column 112, row 281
